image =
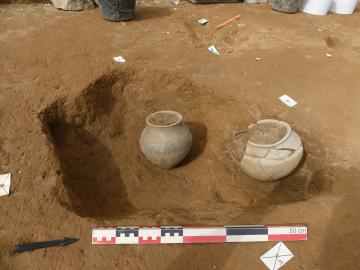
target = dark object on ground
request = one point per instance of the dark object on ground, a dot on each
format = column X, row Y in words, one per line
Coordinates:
column 287, row 6
column 117, row 10
column 38, row 245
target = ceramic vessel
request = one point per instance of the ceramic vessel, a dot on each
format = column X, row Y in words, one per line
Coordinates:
column 117, row 10
column 165, row 140
column 343, row 6
column 268, row 162
column 287, row 6
column 316, row 7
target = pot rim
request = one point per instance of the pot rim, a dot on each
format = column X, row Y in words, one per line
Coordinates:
column 178, row 115
column 284, row 124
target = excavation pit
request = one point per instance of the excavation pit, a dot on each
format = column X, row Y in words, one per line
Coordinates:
column 104, row 174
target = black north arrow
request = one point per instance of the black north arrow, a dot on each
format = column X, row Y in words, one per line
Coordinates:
column 38, row 245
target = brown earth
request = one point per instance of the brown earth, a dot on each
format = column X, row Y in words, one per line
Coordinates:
column 71, row 117
column 266, row 133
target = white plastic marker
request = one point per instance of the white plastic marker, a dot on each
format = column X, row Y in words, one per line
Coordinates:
column 175, row 2
column 213, row 49
column 128, row 235
column 203, row 21
column 329, row 55
column 119, row 59
column 288, row 100
column 5, row 181
column 277, row 256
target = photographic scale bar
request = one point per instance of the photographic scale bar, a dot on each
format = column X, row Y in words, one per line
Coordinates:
column 126, row 235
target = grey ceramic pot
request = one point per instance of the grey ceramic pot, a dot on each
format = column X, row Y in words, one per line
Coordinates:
column 165, row 140
column 287, row 6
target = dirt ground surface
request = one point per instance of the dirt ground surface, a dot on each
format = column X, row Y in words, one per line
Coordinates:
column 71, row 117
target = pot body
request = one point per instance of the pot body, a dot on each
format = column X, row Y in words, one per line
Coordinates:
column 287, row 6
column 272, row 162
column 166, row 147
column 316, row 7
column 344, row 6
column 117, row 10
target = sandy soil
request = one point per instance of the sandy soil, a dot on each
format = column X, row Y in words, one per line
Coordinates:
column 70, row 119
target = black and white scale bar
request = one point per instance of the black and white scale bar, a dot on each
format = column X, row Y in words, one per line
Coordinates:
column 246, row 234
column 197, row 234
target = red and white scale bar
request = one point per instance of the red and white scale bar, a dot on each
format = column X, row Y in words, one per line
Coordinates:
column 190, row 234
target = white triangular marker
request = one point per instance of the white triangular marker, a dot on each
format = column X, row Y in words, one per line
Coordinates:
column 277, row 256
column 5, row 181
column 213, row 49
column 288, row 100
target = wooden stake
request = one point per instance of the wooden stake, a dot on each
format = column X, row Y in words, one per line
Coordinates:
column 227, row 22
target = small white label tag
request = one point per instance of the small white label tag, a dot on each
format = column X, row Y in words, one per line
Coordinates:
column 203, row 21
column 119, row 59
column 288, row 100
column 277, row 257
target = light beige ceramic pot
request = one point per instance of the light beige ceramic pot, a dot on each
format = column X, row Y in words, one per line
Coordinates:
column 268, row 162
column 165, row 140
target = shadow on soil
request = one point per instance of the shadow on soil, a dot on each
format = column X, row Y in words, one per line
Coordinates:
column 300, row 185
column 199, row 133
column 90, row 175
column 91, row 184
